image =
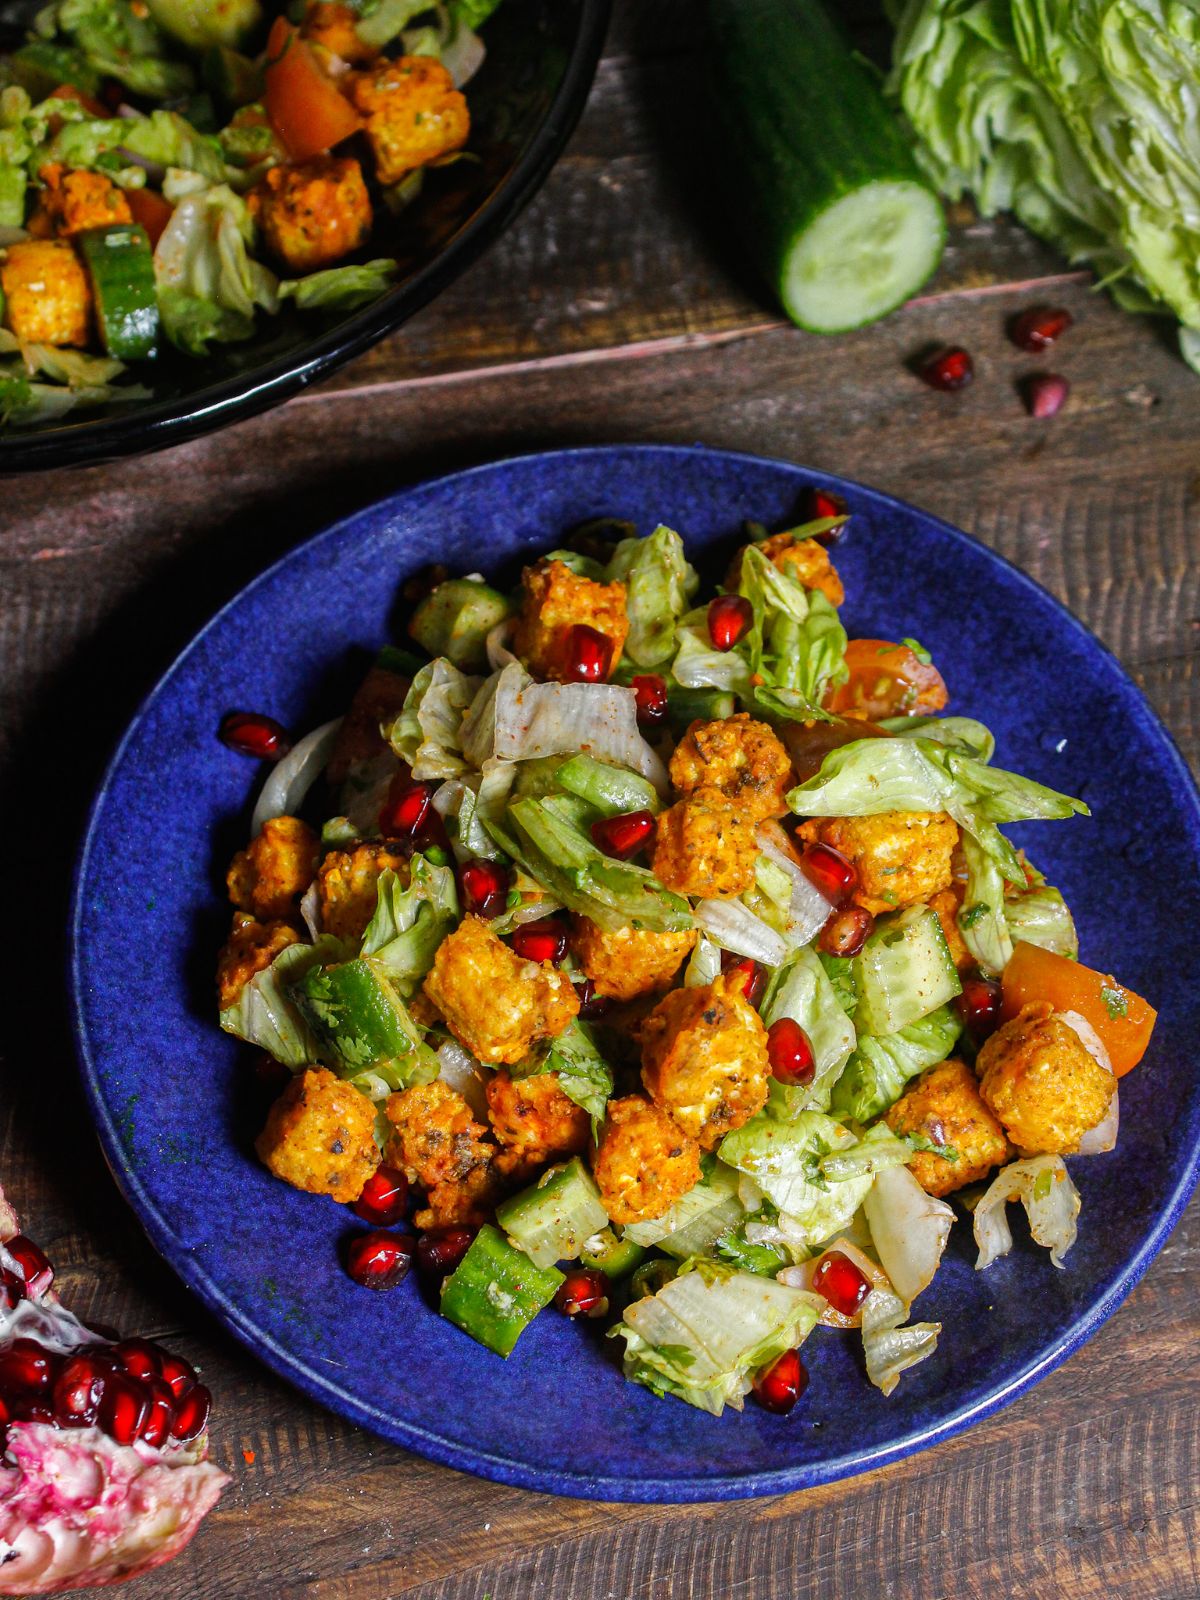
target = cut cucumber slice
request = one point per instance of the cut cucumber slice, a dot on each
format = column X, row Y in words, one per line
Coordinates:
column 551, row 1221
column 496, row 1291
column 121, row 266
column 904, row 972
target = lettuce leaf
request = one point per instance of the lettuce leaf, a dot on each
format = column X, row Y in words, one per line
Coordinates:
column 428, row 733
column 340, row 288
column 802, row 990
column 583, row 1074
column 119, row 40
column 697, row 1219
column 890, row 1348
column 964, row 734
column 265, row 1013
column 659, row 582
column 1043, row 1186
column 1043, row 917
column 786, row 1161
column 163, row 137
column 209, row 286
column 410, row 922
column 875, row 1075
column 981, row 918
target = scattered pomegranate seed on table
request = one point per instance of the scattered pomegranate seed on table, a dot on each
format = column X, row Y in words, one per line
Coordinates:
column 439, row 1250
column 782, row 1383
column 384, row 1198
column 541, row 941
column 35, row 1268
column 729, row 617
column 625, row 835
column 1045, row 394
column 252, row 734
column 583, row 1294
column 589, row 654
column 948, row 369
column 828, row 870
column 650, row 691
column 754, row 975
column 979, row 1005
column 846, row 932
column 1037, row 329
column 841, row 1283
column 484, row 887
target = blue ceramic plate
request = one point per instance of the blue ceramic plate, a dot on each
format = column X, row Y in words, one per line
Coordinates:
column 174, row 1099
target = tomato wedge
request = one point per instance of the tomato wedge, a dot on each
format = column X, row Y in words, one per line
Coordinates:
column 887, row 680
column 306, row 109
column 1123, row 1019
column 151, row 211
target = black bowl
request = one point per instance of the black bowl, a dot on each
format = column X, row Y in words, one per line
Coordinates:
column 525, row 101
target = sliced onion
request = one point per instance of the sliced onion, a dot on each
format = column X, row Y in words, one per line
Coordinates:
column 498, row 641
column 808, row 909
column 909, row 1228
column 1053, row 1214
column 1101, row 1138
column 310, row 909
column 463, row 55
column 284, row 791
column 736, row 928
column 464, row 1075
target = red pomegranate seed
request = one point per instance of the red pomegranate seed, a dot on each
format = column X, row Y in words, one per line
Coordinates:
column 484, row 887
column 34, row 1411
column 782, row 1383
column 191, row 1414
column 1046, row 394
column 979, row 1005
column 828, row 870
column 583, row 1294
column 178, row 1375
column 123, row 1408
column 441, row 1249
column 589, row 655
column 407, row 812
column 139, row 1359
column 78, row 1389
column 1038, row 329
column 754, row 975
column 846, row 932
column 5, row 1413
column 35, row 1268
column 159, row 1416
column 379, row 1260
column 650, row 691
column 842, row 1284
column 591, row 1004
column 544, row 940
column 625, row 835
column 253, row 735
column 729, row 616
column 26, row 1365
column 790, row 1052
column 948, row 369
column 384, row 1198
column 820, row 503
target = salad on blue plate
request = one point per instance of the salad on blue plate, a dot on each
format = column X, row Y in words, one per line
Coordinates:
column 668, row 955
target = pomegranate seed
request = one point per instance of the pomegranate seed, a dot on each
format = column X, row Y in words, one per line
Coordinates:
column 78, row 1390
column 379, row 1260
column 159, row 1416
column 589, row 655
column 948, row 369
column 846, row 932
column 782, row 1383
column 542, row 941
column 384, row 1198
column 191, row 1414
column 253, row 735
column 441, row 1249
column 139, row 1359
column 1046, row 394
column 583, row 1294
column 26, row 1365
column 790, row 1052
column 124, row 1407
column 650, row 691
column 34, row 1411
column 407, row 812
column 1038, row 329
column 979, row 1005
column 821, row 503
column 729, row 616
column 754, row 975
column 591, row 1004
column 484, row 887
column 35, row 1268
column 625, row 835
column 841, row 1282
column 178, row 1375
column 829, row 871
column 5, row 1413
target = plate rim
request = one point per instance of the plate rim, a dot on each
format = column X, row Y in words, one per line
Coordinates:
column 479, row 1460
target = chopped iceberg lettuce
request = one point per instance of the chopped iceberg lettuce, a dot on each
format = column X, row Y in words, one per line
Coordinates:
column 801, row 990
column 265, row 1013
column 659, row 582
column 428, row 733
column 786, row 1161
column 875, row 1075
column 410, row 922
column 1043, row 1186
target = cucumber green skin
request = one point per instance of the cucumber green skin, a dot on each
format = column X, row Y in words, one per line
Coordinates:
column 685, row 706
column 353, row 1011
column 456, row 619
column 550, row 1221
column 900, row 982
column 617, row 1259
column 801, row 123
column 120, row 264
column 496, row 1291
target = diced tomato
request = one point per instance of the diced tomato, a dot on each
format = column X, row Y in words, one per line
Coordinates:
column 307, row 110
column 151, row 210
column 1123, row 1019
column 887, row 680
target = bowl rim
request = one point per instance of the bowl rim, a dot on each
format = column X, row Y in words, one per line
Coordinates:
column 478, row 1459
column 156, row 426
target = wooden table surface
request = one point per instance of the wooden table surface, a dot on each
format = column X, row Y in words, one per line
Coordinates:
column 608, row 313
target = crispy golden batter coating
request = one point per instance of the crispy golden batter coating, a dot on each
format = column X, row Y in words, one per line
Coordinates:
column 704, row 1058
column 73, row 201
column 469, row 1200
column 271, row 874
column 805, row 559
column 624, row 963
column 331, row 26
column 947, row 903
column 347, row 885
column 704, row 846
column 47, row 299
column 903, row 857
column 553, row 601
column 313, row 214
column 740, row 757
column 496, row 1005
column 320, row 1136
column 251, row 947
column 435, row 1137
column 379, row 698
column 414, row 114
column 1042, row 1082
column 534, row 1119
column 644, row 1161
column 944, row 1104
